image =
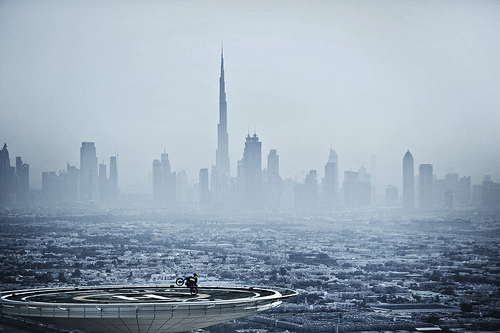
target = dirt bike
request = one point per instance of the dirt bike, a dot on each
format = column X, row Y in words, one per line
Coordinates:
column 193, row 288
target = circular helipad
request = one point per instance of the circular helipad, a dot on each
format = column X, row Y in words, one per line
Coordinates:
column 138, row 309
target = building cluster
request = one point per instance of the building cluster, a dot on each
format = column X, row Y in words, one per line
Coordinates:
column 254, row 188
column 14, row 181
column 430, row 192
column 90, row 183
column 379, row 271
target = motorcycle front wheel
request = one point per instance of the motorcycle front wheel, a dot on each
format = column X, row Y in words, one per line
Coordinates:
column 179, row 281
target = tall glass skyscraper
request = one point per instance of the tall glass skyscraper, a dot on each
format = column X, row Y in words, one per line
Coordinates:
column 331, row 181
column 408, row 182
column 222, row 153
column 252, row 172
column 89, row 188
column 425, row 186
column 220, row 177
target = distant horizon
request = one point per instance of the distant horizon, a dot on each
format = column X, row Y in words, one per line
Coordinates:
column 362, row 78
column 192, row 181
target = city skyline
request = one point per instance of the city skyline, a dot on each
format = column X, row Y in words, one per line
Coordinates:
column 310, row 84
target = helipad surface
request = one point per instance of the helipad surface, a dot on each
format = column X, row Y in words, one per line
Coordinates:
column 138, row 309
column 134, row 295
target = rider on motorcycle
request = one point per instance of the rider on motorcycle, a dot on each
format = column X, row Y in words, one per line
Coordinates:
column 192, row 280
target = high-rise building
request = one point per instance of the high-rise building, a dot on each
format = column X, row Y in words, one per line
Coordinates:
column 164, row 183
column 330, row 184
column 363, row 189
column 252, row 172
column 349, row 188
column 222, row 153
column 14, row 181
column 8, row 178
column 204, row 194
column 490, row 193
column 274, row 181
column 357, row 188
column 220, row 177
column 169, row 182
column 52, row 187
column 89, row 190
column 425, row 186
column 477, row 194
column 238, row 186
column 157, row 183
column 306, row 195
column 273, row 164
column 23, row 186
column 62, row 187
column 71, row 178
column 181, row 188
column 103, row 182
column 451, row 182
column 218, row 183
column 113, row 177
column 464, row 191
column 373, row 177
column 450, row 192
column 408, row 182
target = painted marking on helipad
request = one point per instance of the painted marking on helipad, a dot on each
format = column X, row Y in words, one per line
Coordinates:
column 126, row 298
column 138, row 297
column 157, row 297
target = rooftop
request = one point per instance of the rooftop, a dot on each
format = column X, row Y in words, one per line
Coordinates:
column 114, row 295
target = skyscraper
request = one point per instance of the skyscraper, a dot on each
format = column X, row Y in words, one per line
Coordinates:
column 222, row 153
column 23, row 174
column 349, row 188
column 164, row 183
column 204, row 194
column 373, row 177
column 71, row 177
column 408, row 182
column 220, row 177
column 181, row 188
column 463, row 191
column 169, row 182
column 331, row 181
column 103, row 182
column 306, row 195
column 273, row 164
column 425, row 186
column 252, row 172
column 363, row 188
column 89, row 190
column 9, row 182
column 113, row 177
column 274, row 181
column 157, row 183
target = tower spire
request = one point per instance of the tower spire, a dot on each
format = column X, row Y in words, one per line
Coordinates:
column 222, row 153
column 222, row 88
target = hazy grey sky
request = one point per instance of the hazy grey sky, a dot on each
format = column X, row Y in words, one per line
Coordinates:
column 367, row 77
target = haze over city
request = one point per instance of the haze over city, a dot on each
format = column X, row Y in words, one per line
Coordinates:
column 249, row 166
column 360, row 77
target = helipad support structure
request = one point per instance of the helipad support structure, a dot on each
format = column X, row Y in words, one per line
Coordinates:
column 138, row 309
